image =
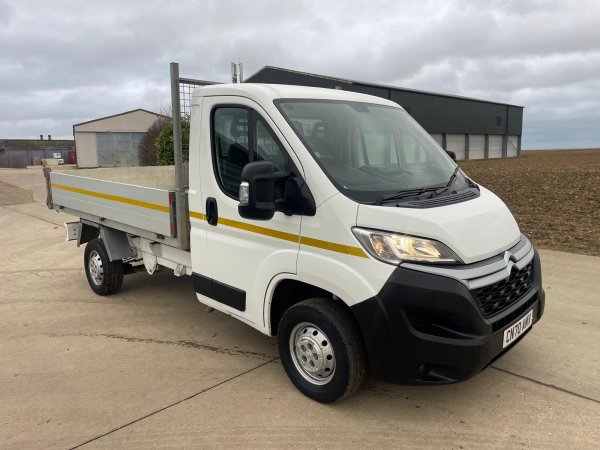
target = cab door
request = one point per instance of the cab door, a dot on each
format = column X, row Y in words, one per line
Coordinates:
column 243, row 255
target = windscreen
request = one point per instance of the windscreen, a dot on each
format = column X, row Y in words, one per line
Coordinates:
column 368, row 150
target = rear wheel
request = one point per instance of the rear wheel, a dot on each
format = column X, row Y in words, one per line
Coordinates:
column 105, row 277
column 321, row 349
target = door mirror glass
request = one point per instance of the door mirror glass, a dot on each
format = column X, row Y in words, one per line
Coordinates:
column 451, row 154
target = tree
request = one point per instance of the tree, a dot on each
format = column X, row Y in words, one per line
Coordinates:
column 164, row 143
column 146, row 149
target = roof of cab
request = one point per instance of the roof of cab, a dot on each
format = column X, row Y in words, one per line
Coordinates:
column 269, row 92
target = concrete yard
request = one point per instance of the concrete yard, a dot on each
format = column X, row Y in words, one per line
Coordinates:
column 151, row 367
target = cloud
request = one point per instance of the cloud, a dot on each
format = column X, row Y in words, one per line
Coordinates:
column 7, row 13
column 63, row 63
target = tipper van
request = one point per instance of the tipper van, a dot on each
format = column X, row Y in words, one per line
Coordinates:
column 326, row 218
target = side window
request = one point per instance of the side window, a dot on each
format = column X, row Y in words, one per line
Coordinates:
column 267, row 147
column 241, row 136
column 231, row 146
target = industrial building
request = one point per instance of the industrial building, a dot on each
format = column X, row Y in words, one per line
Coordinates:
column 20, row 153
column 112, row 141
column 472, row 128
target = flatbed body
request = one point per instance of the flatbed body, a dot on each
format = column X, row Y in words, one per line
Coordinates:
column 138, row 201
column 132, row 199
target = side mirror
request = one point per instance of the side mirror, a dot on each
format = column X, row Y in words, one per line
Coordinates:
column 451, row 154
column 257, row 190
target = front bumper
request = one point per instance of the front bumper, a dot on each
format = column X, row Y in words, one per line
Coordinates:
column 425, row 328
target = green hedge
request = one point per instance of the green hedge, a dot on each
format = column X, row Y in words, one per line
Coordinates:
column 164, row 143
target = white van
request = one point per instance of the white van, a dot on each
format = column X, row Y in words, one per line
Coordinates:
column 329, row 219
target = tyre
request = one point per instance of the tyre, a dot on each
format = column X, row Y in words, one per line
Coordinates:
column 105, row 277
column 321, row 349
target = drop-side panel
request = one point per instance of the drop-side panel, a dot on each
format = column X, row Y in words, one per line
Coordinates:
column 138, row 206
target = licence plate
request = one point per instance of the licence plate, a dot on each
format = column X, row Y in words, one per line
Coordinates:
column 516, row 330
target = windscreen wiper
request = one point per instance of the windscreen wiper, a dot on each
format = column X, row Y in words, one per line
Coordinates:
column 403, row 194
column 418, row 191
column 452, row 178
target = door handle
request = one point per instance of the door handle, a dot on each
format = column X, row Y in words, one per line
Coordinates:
column 212, row 212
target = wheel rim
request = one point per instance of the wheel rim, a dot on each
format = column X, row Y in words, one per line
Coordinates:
column 95, row 268
column 312, row 353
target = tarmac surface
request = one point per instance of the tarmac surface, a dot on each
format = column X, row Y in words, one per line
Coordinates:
column 150, row 367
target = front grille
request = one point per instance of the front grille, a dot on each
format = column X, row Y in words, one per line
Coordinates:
column 497, row 297
column 501, row 323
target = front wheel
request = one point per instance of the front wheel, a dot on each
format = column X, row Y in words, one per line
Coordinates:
column 321, row 349
column 104, row 276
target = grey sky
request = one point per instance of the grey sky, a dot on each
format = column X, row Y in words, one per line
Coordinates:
column 63, row 62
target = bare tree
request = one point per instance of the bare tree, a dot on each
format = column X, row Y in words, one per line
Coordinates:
column 146, row 149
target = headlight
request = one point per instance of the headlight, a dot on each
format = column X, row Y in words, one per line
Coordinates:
column 394, row 248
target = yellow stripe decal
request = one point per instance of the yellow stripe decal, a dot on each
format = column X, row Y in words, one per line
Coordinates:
column 332, row 246
column 259, row 230
column 318, row 243
column 114, row 198
column 197, row 215
column 326, row 245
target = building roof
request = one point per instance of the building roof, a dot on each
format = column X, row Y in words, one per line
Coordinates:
column 374, row 85
column 121, row 114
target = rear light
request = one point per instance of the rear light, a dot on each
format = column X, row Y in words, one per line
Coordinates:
column 172, row 223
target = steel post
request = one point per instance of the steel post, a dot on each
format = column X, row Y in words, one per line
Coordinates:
column 183, row 237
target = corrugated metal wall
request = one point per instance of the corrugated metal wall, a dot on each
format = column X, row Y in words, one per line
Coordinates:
column 22, row 158
column 13, row 159
column 118, row 149
column 513, row 146
column 476, row 146
column 456, row 143
column 495, row 146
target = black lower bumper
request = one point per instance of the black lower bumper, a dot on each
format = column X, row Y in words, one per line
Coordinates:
column 428, row 329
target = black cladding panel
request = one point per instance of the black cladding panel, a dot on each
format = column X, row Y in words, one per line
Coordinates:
column 515, row 120
column 439, row 114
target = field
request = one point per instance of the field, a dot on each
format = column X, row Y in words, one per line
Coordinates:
column 554, row 195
